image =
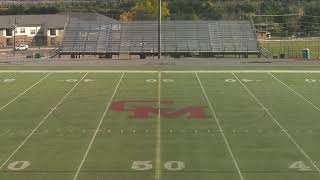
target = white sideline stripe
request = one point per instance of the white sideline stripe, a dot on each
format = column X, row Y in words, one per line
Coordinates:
column 28, row 89
column 158, row 137
column 169, row 71
column 77, row 71
column 97, row 129
column 245, row 71
column 220, row 128
column 41, row 122
column 278, row 123
column 295, row 92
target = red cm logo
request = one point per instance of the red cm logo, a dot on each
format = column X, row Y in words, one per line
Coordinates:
column 145, row 109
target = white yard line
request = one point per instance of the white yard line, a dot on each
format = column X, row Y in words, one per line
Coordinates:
column 98, row 128
column 154, row 71
column 41, row 122
column 295, row 92
column 25, row 91
column 158, row 137
column 278, row 123
column 221, row 130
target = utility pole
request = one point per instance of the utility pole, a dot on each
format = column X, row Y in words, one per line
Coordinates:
column 14, row 36
column 159, row 28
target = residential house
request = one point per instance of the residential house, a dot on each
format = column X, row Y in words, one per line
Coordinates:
column 35, row 30
column 264, row 30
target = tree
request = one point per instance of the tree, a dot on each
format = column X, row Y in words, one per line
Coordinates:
column 126, row 16
column 146, row 10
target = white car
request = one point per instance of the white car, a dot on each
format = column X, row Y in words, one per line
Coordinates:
column 22, row 47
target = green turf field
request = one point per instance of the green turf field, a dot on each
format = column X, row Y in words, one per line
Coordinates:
column 292, row 49
column 160, row 125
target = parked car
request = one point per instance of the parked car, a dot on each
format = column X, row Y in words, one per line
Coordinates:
column 22, row 47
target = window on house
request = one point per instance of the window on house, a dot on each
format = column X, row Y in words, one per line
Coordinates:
column 53, row 32
column 22, row 30
column 33, row 31
column 8, row 32
column 1, row 32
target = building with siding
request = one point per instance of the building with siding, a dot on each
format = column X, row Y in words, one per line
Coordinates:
column 35, row 30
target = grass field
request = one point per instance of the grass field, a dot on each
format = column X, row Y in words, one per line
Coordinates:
column 292, row 49
column 160, row 125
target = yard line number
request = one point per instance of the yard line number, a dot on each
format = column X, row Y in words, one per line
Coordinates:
column 76, row 80
column 243, row 80
column 164, row 80
column 300, row 166
column 250, row 80
column 312, row 80
column 147, row 165
column 19, row 165
column 7, row 80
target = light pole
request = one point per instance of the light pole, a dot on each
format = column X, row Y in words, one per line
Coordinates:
column 159, row 28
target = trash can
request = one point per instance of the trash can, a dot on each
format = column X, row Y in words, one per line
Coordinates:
column 306, row 53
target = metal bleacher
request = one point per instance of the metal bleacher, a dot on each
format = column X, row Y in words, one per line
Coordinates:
column 95, row 36
column 232, row 36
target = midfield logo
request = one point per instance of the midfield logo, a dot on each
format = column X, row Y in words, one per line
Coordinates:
column 145, row 109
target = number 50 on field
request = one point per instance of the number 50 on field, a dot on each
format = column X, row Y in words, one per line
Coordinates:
column 147, row 165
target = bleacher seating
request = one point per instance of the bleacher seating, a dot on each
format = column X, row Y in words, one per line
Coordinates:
column 96, row 36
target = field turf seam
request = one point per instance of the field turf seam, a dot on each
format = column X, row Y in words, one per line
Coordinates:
column 41, row 122
column 302, row 151
column 98, row 127
column 220, row 127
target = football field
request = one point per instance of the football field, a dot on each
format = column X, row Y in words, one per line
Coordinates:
column 160, row 125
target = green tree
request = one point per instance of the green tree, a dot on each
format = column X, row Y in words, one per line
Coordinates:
column 147, row 10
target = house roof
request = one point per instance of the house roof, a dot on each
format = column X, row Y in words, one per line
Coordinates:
column 50, row 20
